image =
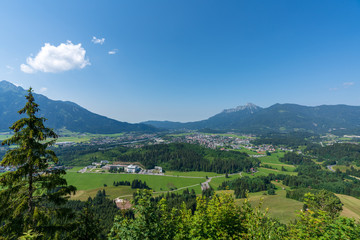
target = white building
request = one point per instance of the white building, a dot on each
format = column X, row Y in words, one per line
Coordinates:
column 132, row 168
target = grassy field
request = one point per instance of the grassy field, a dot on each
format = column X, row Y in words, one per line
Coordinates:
column 111, row 192
column 273, row 158
column 192, row 174
column 351, row 206
column 89, row 181
column 280, row 207
column 216, row 181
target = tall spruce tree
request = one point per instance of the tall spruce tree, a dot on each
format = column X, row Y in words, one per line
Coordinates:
column 32, row 195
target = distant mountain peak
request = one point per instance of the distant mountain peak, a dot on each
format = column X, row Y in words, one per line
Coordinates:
column 8, row 86
column 249, row 106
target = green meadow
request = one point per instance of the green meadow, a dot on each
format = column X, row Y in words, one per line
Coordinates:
column 192, row 174
column 89, row 181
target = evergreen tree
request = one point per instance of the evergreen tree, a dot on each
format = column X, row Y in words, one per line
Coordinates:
column 31, row 196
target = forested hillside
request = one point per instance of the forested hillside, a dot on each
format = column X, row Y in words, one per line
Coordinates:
column 175, row 156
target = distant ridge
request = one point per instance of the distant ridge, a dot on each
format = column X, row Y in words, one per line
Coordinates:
column 60, row 114
column 277, row 118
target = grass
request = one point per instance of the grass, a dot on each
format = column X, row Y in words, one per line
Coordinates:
column 280, row 207
column 111, row 192
column 351, row 206
column 273, row 158
column 90, row 181
column 215, row 182
column 192, row 174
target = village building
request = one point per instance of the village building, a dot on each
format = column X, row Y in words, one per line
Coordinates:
column 123, row 204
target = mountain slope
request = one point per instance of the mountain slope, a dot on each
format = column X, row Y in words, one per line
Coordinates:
column 278, row 118
column 60, row 114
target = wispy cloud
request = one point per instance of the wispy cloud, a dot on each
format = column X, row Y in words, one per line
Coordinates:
column 96, row 40
column 333, row 89
column 55, row 59
column 112, row 52
column 348, row 84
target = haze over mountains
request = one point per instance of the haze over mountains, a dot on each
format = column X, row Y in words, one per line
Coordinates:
column 60, row 114
column 249, row 118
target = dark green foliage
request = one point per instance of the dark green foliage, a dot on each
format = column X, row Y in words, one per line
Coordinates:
column 139, row 184
column 116, row 169
column 175, row 156
column 339, row 153
column 121, row 183
column 353, row 172
column 319, row 200
column 246, row 184
column 175, row 200
column 294, row 158
column 26, row 191
column 271, row 191
column 99, row 210
column 292, row 139
column 311, row 175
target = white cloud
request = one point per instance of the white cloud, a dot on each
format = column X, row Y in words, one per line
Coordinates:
column 348, row 84
column 112, row 52
column 333, row 89
column 98, row 40
column 54, row 59
column 43, row 89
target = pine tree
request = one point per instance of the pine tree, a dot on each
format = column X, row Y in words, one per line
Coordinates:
column 31, row 196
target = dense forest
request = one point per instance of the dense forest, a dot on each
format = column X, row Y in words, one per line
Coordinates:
column 175, row 156
column 292, row 139
column 312, row 176
column 339, row 153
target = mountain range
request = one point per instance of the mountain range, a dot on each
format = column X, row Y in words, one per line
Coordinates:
column 60, row 114
column 277, row 118
column 248, row 119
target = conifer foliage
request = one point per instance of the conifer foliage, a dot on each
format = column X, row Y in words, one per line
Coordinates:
column 27, row 192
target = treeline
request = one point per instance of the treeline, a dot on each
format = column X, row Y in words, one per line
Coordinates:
column 136, row 183
column 246, row 184
column 139, row 184
column 312, row 176
column 295, row 159
column 293, row 139
column 121, row 183
column 174, row 200
column 339, row 153
column 353, row 172
column 175, row 156
column 190, row 157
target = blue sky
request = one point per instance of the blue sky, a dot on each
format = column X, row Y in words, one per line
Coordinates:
column 182, row 60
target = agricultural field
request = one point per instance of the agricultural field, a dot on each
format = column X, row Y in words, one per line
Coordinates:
column 280, row 207
column 192, row 174
column 91, row 182
column 351, row 206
